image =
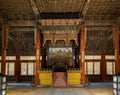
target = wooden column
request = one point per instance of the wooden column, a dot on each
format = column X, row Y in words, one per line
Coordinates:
column 116, row 46
column 67, row 41
column 4, row 46
column 82, row 51
column 44, row 57
column 53, row 39
column 103, row 68
column 38, row 62
column 17, row 67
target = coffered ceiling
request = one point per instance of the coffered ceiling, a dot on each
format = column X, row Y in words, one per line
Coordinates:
column 87, row 9
column 98, row 15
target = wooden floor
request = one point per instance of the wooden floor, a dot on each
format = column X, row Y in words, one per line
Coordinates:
column 89, row 90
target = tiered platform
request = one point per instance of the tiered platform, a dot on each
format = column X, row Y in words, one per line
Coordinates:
column 59, row 79
column 45, row 77
column 74, row 77
column 49, row 78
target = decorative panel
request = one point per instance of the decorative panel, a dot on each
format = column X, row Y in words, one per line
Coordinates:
column 60, row 56
column 10, row 57
column 92, row 57
column 31, row 57
column 109, row 57
column 88, row 57
column 27, row 57
column 97, row 57
column 23, row 57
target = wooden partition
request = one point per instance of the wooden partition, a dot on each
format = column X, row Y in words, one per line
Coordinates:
column 23, row 69
column 45, row 77
column 74, row 77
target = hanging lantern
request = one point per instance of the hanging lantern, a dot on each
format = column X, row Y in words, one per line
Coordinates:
column 2, row 84
column 116, row 84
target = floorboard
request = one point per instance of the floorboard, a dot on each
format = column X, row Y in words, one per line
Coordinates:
column 87, row 90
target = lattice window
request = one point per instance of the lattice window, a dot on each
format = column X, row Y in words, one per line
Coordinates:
column 96, row 67
column 110, row 67
column 0, row 66
column 10, row 68
column 92, row 68
column 27, row 68
column 0, row 63
column 23, row 68
column 30, row 68
column 86, row 68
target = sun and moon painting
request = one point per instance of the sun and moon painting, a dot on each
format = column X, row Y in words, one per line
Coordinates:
column 60, row 56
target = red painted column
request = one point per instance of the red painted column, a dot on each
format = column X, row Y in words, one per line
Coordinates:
column 82, row 52
column 38, row 62
column 17, row 67
column 4, row 46
column 116, row 46
column 43, row 57
column 103, row 67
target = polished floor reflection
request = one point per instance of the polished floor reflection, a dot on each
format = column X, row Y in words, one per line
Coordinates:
column 93, row 89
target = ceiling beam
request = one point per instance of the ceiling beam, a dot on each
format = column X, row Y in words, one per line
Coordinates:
column 101, row 28
column 60, row 15
column 66, row 28
column 22, row 29
column 1, row 20
column 35, row 10
column 85, row 8
column 34, row 7
column 98, row 22
column 61, row 21
column 82, row 7
column 21, row 23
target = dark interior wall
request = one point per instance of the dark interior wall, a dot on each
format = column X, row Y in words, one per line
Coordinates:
column 21, row 43
column 0, row 39
column 100, row 42
column 119, row 42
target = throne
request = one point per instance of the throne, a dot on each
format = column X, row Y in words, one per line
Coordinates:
column 59, row 67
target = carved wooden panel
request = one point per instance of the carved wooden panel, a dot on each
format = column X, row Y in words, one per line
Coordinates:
column 60, row 38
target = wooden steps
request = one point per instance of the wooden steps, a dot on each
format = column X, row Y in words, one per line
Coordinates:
column 59, row 79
